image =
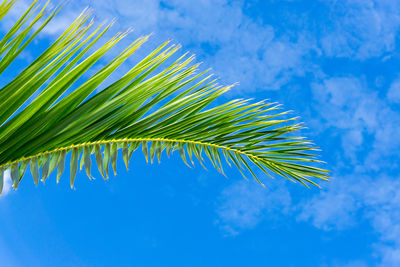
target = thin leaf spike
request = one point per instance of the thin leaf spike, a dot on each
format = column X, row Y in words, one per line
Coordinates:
column 152, row 151
column 197, row 152
column 248, row 168
column 106, row 159
column 35, row 170
column 15, row 174
column 145, row 151
column 74, row 166
column 131, row 149
column 22, row 168
column 54, row 161
column 99, row 160
column 217, row 156
column 87, row 160
column 82, row 159
column 125, row 155
column 159, row 103
column 113, row 157
column 61, row 165
column 45, row 167
column 190, row 152
column 226, row 157
column 169, row 148
column 158, row 151
column 183, row 154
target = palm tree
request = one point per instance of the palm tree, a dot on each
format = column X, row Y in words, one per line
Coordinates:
column 156, row 106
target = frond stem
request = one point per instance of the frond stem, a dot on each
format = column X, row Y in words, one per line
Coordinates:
column 103, row 142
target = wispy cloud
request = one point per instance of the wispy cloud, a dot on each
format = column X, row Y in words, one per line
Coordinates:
column 6, row 256
column 357, row 263
column 353, row 199
column 245, row 203
column 364, row 188
column 334, row 208
column 347, row 108
column 361, row 28
column 361, row 119
column 243, row 49
column 393, row 94
column 238, row 48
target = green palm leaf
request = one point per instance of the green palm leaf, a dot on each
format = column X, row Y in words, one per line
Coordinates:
column 159, row 106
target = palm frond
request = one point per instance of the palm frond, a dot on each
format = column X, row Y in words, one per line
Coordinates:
column 157, row 105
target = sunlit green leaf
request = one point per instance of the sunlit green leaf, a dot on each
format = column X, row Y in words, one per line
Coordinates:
column 59, row 103
column 35, row 170
column 61, row 165
column 22, row 168
column 113, row 157
column 45, row 166
column 87, row 160
column 145, row 151
column 125, row 154
column 99, row 160
column 106, row 159
column 74, row 166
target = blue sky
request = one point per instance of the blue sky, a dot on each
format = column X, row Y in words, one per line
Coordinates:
column 334, row 63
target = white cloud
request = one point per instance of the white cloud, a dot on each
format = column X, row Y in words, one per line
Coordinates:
column 368, row 129
column 60, row 23
column 246, row 50
column 240, row 49
column 352, row 199
column 245, row 203
column 393, row 94
column 7, row 257
column 334, row 207
column 13, row 15
column 348, row 108
column 57, row 25
column 390, row 255
column 357, row 263
column 361, row 28
column 346, row 103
